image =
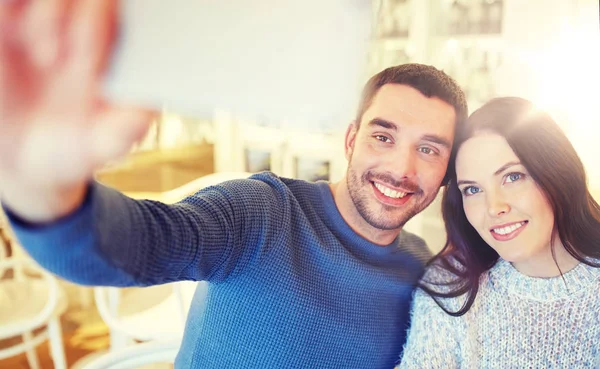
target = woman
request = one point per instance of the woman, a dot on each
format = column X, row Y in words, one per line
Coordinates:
column 517, row 284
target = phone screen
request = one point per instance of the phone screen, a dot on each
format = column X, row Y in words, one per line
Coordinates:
column 277, row 59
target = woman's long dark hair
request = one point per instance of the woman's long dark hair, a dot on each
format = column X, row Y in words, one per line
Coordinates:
column 553, row 164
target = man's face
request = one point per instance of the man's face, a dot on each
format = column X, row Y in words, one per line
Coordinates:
column 398, row 156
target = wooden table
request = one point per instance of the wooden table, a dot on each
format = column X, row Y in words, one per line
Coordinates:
column 153, row 174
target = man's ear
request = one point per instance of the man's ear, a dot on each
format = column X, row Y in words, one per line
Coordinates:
column 350, row 139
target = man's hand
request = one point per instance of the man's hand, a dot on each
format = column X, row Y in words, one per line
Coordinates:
column 55, row 128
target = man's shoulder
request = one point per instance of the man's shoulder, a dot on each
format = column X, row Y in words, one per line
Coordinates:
column 409, row 238
column 278, row 181
column 415, row 245
column 261, row 182
column 293, row 194
column 303, row 191
column 260, row 192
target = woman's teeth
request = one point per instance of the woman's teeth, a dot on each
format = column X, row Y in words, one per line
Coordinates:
column 508, row 229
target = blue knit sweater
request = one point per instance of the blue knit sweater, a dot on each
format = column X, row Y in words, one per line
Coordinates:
column 290, row 284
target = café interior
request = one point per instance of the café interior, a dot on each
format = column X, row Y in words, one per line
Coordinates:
column 272, row 86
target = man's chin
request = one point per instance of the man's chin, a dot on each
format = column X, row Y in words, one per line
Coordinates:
column 386, row 224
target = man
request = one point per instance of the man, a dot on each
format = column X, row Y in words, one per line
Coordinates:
column 301, row 275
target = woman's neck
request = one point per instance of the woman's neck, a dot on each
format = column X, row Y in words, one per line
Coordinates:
column 547, row 266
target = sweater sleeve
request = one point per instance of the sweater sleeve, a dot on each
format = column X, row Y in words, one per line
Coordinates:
column 115, row 240
column 433, row 338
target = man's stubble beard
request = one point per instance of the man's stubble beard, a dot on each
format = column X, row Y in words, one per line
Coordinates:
column 389, row 217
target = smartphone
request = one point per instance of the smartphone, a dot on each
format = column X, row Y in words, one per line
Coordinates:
column 276, row 58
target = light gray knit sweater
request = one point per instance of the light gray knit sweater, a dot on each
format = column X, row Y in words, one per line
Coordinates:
column 516, row 321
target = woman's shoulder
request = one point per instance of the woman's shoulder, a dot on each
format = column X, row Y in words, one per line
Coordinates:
column 441, row 284
column 442, row 271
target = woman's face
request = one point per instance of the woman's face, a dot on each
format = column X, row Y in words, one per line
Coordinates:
column 502, row 202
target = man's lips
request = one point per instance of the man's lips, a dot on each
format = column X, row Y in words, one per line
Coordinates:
column 389, row 196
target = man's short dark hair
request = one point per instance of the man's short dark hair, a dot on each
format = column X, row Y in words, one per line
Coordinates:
column 428, row 80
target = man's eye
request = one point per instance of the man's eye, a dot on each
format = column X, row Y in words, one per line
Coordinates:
column 383, row 138
column 426, row 150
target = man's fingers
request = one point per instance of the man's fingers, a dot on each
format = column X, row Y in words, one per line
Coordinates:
column 116, row 130
column 44, row 31
column 10, row 11
column 88, row 38
column 91, row 34
column 11, row 53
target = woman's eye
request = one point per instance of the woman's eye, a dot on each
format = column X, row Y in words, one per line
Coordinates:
column 470, row 190
column 513, row 177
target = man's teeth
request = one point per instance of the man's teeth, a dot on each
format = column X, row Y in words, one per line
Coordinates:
column 508, row 229
column 389, row 192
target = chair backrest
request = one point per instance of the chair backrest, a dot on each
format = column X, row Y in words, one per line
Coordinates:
column 137, row 355
column 10, row 248
column 5, row 238
column 146, row 314
column 16, row 328
column 18, row 265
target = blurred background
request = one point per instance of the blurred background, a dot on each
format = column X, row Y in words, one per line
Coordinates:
column 272, row 85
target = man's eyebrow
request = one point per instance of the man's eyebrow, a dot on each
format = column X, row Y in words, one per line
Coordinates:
column 437, row 140
column 383, row 123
